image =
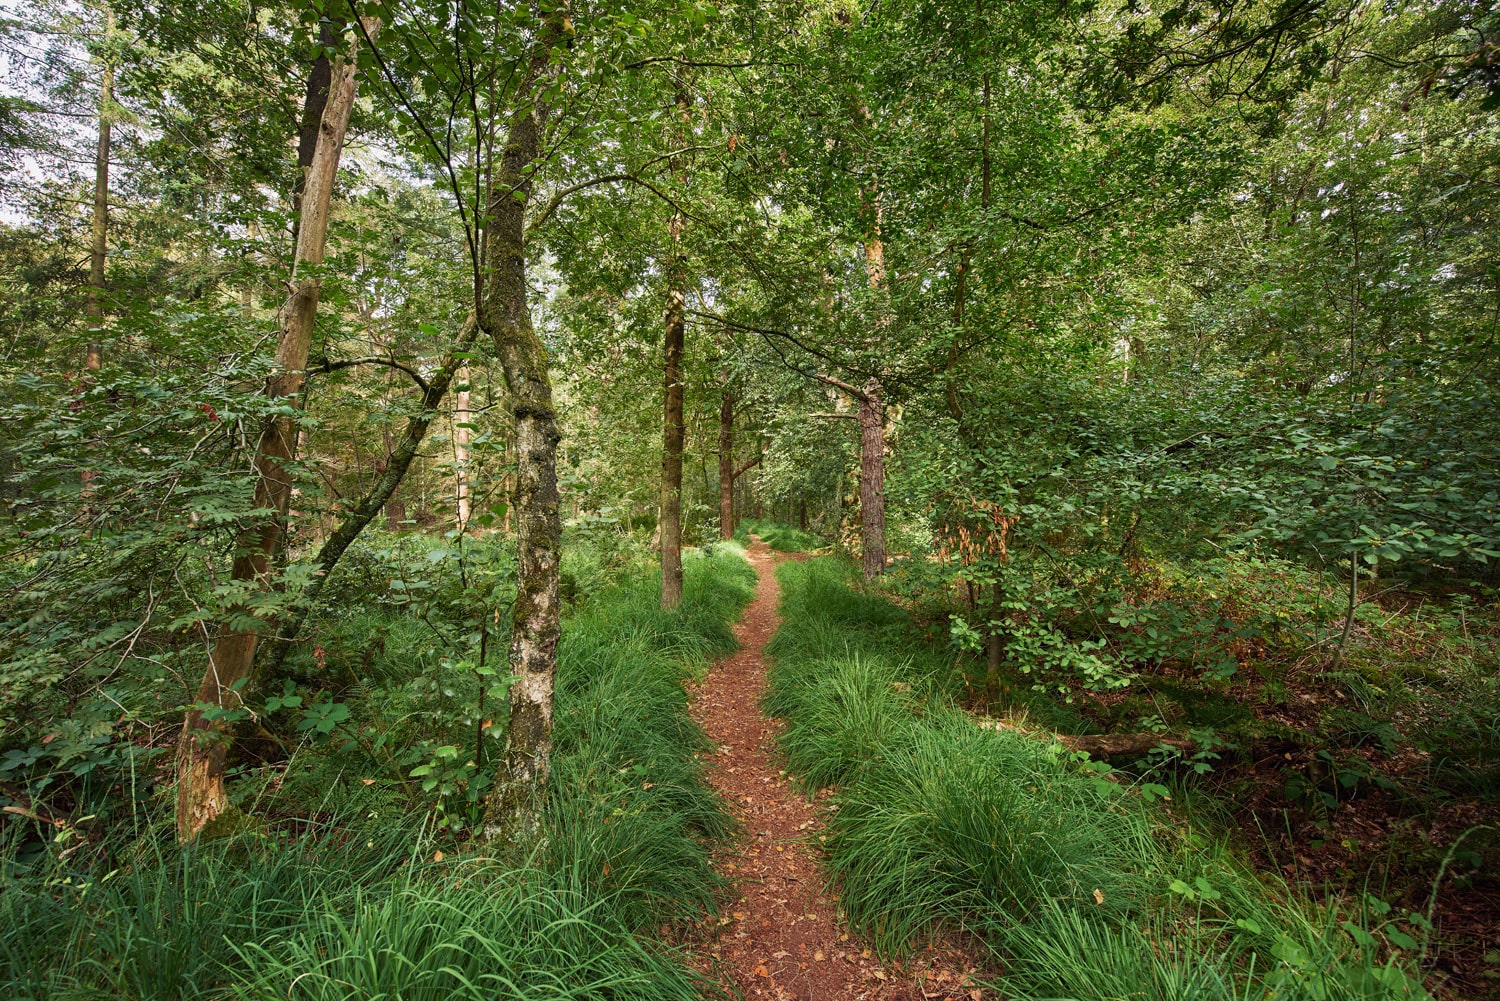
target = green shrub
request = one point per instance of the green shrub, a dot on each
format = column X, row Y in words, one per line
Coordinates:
column 780, row 537
column 383, row 903
column 1071, row 878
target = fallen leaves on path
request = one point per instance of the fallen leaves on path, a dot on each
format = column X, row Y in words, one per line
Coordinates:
column 776, row 942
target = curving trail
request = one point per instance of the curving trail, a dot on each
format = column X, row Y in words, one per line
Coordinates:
column 781, row 937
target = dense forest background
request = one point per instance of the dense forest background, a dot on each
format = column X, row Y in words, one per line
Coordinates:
column 1141, row 358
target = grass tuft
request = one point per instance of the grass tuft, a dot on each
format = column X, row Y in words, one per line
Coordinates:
column 1080, row 887
column 380, row 904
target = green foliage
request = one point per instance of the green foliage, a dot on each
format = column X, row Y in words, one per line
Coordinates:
column 782, row 538
column 372, row 896
column 1076, row 881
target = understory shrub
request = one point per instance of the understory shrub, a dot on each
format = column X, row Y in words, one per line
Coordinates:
column 354, row 898
column 1080, row 884
column 779, row 536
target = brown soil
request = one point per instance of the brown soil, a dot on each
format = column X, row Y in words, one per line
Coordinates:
column 781, row 936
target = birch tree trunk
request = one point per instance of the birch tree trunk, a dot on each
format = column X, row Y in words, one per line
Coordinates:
column 461, row 418
column 512, row 810
column 203, row 747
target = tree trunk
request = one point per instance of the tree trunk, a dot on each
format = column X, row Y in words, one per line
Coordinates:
column 204, row 744
column 673, row 433
column 872, row 431
column 872, row 479
column 396, row 464
column 461, row 418
column 726, row 464
column 94, row 305
column 314, row 102
column 100, row 227
column 511, row 812
column 674, row 430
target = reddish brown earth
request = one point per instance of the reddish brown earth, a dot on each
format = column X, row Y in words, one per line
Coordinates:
column 780, row 936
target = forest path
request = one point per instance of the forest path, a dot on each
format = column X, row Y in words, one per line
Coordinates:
column 781, row 937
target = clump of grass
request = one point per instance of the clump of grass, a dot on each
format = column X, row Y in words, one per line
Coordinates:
column 1078, row 884
column 482, row 932
column 386, row 905
column 629, row 814
column 779, row 536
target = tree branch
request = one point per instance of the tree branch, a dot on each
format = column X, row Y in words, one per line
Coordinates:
column 325, row 366
column 557, row 198
column 839, row 384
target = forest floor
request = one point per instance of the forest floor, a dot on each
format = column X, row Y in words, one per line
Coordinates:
column 781, row 936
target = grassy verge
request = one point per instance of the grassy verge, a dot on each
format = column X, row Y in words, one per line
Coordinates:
column 1082, row 887
column 357, row 900
column 779, row 536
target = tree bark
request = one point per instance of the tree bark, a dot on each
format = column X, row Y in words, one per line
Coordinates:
column 726, row 464
column 94, row 304
column 872, row 431
column 872, row 479
column 100, row 226
column 313, row 104
column 674, row 429
column 673, row 433
column 203, row 747
column 461, row 418
column 511, row 811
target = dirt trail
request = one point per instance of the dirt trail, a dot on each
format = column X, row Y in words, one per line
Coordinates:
column 780, row 937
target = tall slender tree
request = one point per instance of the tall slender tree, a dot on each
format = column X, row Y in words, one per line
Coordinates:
column 511, row 812
column 203, row 747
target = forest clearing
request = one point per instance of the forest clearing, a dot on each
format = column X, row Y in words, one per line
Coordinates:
column 702, row 500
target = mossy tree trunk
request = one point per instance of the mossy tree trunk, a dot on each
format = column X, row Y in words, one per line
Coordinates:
column 726, row 464
column 512, row 810
column 674, row 424
column 203, row 746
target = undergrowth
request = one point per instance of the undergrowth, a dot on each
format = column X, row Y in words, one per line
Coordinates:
column 779, row 536
column 1081, row 886
column 351, row 895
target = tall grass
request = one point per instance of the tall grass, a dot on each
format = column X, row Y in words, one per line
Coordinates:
column 1079, row 887
column 779, row 536
column 379, row 906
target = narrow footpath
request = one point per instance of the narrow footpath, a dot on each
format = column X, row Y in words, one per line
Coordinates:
column 780, row 938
